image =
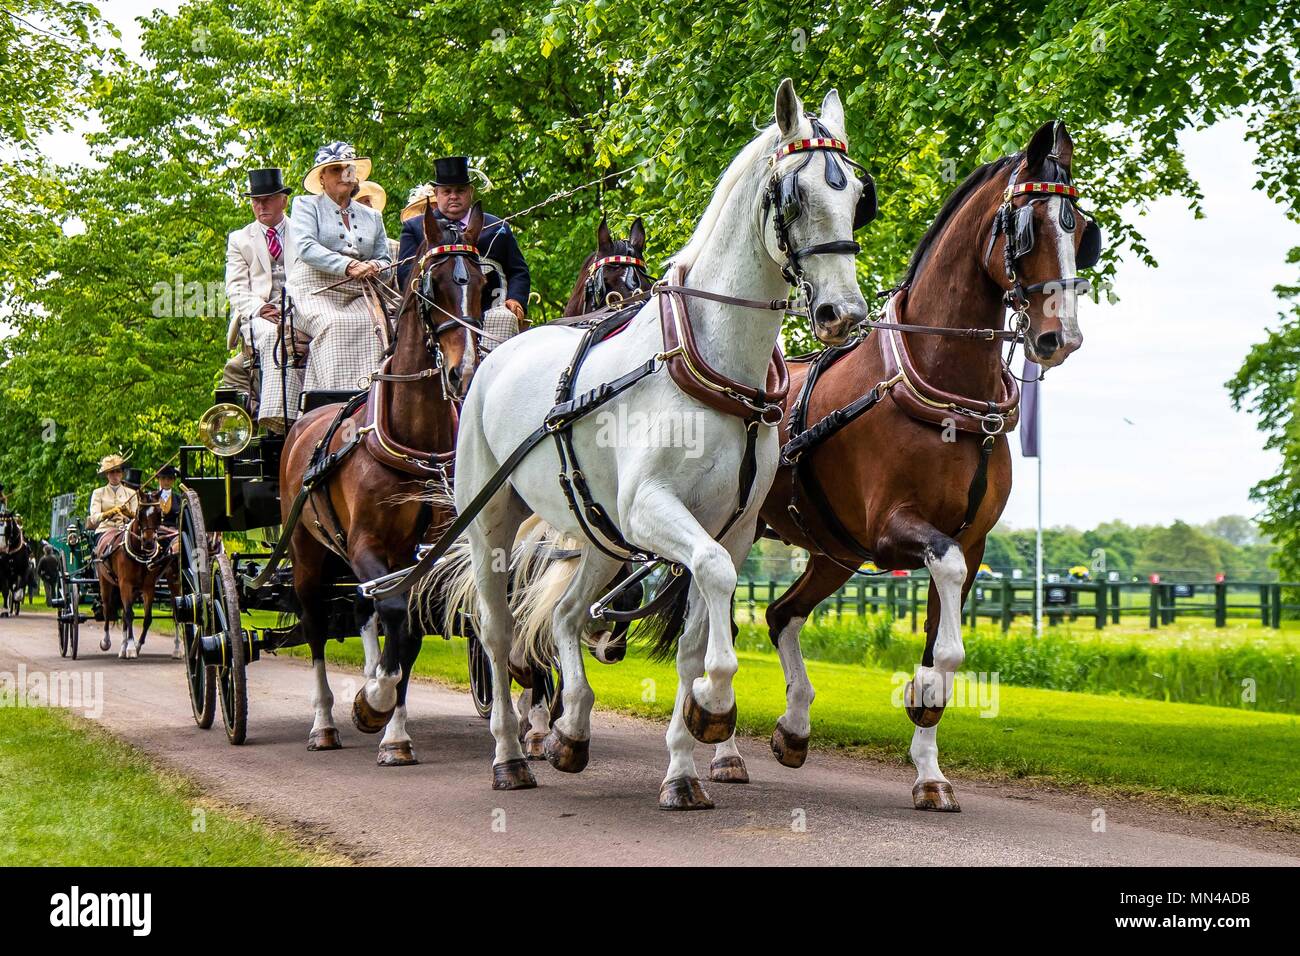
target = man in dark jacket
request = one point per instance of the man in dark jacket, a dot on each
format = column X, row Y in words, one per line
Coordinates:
column 508, row 281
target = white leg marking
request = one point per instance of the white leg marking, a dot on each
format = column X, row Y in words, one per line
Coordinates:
column 322, row 699
column 395, row 732
column 370, row 644
column 934, row 684
column 799, row 691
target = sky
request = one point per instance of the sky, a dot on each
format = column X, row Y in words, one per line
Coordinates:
column 1136, row 424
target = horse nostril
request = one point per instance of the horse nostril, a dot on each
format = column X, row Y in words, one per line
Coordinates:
column 824, row 315
column 1047, row 343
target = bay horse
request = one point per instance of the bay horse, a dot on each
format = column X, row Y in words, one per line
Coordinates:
column 373, row 509
column 130, row 566
column 696, row 507
column 920, row 479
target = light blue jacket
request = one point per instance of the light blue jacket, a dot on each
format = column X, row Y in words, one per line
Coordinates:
column 322, row 242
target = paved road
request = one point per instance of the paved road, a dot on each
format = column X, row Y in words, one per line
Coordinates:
column 444, row 811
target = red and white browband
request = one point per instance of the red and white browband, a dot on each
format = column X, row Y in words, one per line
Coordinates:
column 452, row 248
column 820, row 142
column 1060, row 189
column 615, row 261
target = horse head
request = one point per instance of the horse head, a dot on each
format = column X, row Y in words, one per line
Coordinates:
column 1045, row 240
column 148, row 518
column 617, row 269
column 449, row 287
column 816, row 197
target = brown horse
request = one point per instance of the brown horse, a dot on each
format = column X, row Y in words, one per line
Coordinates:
column 920, row 479
column 372, row 511
column 616, row 269
column 129, row 567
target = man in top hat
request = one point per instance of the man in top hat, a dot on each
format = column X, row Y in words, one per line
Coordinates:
column 169, row 501
column 258, row 258
column 112, row 505
column 508, row 281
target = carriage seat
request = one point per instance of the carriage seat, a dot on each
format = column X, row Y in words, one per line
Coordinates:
column 312, row 400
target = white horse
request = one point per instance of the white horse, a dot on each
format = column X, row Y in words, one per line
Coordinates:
column 673, row 500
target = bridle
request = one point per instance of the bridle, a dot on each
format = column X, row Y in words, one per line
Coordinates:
column 126, row 539
column 636, row 277
column 422, row 291
column 783, row 201
column 1016, row 225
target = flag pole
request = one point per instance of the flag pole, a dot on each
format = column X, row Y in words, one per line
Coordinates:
column 1038, row 560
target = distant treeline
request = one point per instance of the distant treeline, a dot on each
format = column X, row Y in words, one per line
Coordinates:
column 1231, row 545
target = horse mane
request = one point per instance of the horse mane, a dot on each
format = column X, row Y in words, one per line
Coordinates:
column 578, row 295
column 956, row 199
column 735, row 173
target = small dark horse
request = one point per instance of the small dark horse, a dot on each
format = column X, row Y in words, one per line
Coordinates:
column 901, row 484
column 15, row 560
column 132, row 568
column 373, row 509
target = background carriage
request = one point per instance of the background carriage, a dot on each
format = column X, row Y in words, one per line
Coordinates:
column 74, row 593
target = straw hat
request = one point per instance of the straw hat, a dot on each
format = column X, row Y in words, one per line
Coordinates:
column 415, row 202
column 378, row 198
column 111, row 463
column 334, row 154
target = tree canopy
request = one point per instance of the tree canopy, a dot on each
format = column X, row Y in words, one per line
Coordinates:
column 113, row 274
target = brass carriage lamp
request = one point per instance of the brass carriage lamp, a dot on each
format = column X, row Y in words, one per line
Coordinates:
column 225, row 429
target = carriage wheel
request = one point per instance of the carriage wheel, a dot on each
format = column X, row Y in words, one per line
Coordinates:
column 480, row 677
column 191, row 579
column 73, row 622
column 232, row 676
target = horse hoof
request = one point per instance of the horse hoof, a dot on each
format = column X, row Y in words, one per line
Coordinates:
column 365, row 718
column 728, row 770
column 923, row 716
column 790, row 750
column 327, row 739
column 566, row 754
column 396, row 754
column 706, row 726
column 535, row 747
column 513, row 775
column 683, row 793
column 105, row 644
column 935, row 795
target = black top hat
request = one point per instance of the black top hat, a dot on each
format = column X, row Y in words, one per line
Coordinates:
column 131, row 478
column 451, row 171
column 166, row 471
column 266, row 182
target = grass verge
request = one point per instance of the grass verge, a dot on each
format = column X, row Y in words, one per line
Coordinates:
column 74, row 795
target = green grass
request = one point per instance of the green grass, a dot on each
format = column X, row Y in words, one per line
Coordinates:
column 1228, row 668
column 75, row 796
column 1232, row 760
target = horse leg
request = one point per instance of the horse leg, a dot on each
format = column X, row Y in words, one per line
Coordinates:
column 308, row 559
column 535, row 715
column 491, row 537
column 107, row 595
column 926, row 695
column 127, row 594
column 147, row 596
column 370, row 644
column 568, row 745
column 785, row 619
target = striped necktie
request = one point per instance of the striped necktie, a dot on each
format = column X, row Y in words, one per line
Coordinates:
column 273, row 243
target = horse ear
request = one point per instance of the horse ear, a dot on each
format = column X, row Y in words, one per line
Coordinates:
column 1063, row 146
column 1040, row 146
column 637, row 235
column 603, row 238
column 832, row 114
column 475, row 225
column 432, row 230
column 789, row 109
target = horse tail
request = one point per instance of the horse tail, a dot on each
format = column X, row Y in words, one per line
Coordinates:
column 662, row 631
